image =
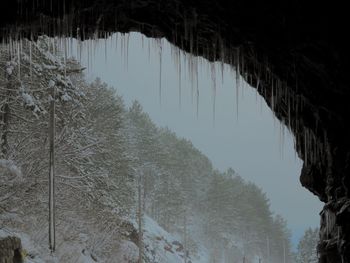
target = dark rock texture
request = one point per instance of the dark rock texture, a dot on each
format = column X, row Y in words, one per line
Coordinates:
column 294, row 52
column 10, row 250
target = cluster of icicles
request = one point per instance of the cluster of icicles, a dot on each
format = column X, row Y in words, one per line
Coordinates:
column 276, row 93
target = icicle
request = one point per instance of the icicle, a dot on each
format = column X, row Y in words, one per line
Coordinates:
column 261, row 103
column 71, row 45
column 88, row 55
column 190, row 66
column 21, row 46
column 30, row 59
column 149, row 51
column 54, row 40
column 213, row 77
column 19, row 61
column 122, row 46
column 237, row 80
column 95, row 43
column 9, row 47
column 279, row 139
column 65, row 57
column 179, row 78
column 305, row 147
column 257, row 90
column 197, row 88
column 213, row 74
column 160, row 72
column 79, row 50
column 283, row 139
column 289, row 111
column 116, row 42
column 110, row 38
column 272, row 97
column 214, row 105
column 127, row 50
column 105, row 47
column 222, row 73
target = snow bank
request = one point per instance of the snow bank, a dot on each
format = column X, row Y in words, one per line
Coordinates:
column 160, row 246
column 128, row 252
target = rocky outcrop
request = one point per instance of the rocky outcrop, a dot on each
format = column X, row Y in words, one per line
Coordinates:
column 294, row 52
column 10, row 250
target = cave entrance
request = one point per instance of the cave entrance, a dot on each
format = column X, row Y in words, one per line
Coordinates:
column 212, row 172
column 220, row 113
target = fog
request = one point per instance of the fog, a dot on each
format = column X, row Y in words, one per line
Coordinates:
column 138, row 152
column 250, row 141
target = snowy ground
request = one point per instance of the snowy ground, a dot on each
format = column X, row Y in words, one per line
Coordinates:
column 161, row 246
column 35, row 253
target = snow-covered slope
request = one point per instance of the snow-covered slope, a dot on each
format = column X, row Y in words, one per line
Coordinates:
column 70, row 252
column 164, row 247
column 160, row 247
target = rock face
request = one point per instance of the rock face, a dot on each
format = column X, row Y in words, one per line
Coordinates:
column 294, row 52
column 10, row 250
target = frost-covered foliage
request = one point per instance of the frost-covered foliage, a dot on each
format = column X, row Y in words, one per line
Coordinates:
column 93, row 176
column 186, row 196
column 100, row 147
column 306, row 250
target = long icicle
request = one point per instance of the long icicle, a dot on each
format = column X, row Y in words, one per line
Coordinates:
column 19, row 60
column 237, row 81
column 197, row 88
column 30, row 59
column 179, row 79
column 160, row 72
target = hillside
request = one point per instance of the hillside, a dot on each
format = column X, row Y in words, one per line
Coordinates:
column 113, row 165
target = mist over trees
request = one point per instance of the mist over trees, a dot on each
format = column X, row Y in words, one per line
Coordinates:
column 183, row 192
column 306, row 250
column 104, row 151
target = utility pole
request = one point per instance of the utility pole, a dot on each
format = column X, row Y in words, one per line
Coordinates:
column 284, row 251
column 140, row 220
column 52, row 231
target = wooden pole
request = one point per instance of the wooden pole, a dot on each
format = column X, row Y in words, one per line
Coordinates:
column 52, row 231
column 140, row 220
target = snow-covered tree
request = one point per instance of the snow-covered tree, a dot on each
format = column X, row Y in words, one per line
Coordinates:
column 93, row 178
column 306, row 250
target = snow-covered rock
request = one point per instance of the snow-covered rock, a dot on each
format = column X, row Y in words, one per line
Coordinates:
column 160, row 246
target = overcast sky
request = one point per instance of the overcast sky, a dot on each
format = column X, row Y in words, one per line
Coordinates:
column 251, row 144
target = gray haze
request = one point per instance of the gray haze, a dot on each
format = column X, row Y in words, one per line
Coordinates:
column 251, row 144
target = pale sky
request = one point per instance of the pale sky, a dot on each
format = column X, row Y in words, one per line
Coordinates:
column 251, row 144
